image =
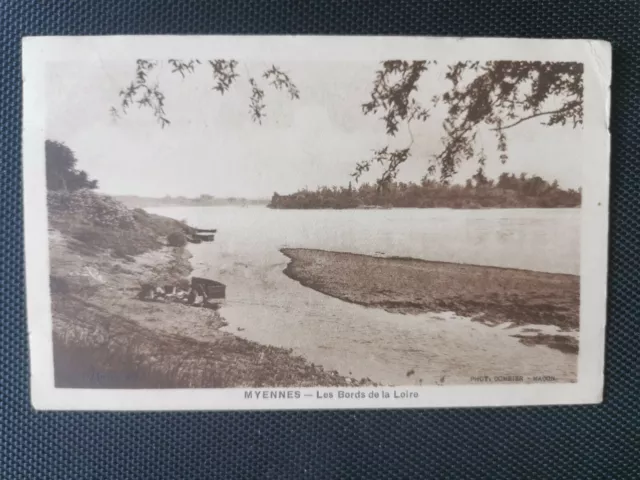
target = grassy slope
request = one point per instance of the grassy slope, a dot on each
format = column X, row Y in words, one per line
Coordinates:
column 101, row 252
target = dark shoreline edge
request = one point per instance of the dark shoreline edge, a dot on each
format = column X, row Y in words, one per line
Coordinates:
column 420, row 260
column 520, row 207
column 331, row 284
column 105, row 337
column 119, row 349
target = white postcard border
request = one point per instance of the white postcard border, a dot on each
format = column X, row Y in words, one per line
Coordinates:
column 596, row 56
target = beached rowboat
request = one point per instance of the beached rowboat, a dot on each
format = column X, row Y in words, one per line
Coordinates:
column 204, row 234
column 202, row 237
column 213, row 290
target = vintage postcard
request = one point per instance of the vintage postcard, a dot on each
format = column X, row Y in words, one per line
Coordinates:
column 227, row 223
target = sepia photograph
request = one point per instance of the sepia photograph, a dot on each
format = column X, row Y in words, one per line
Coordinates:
column 319, row 222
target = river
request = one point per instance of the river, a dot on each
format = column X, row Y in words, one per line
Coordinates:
column 266, row 306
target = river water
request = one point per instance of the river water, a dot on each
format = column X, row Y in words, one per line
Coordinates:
column 266, row 306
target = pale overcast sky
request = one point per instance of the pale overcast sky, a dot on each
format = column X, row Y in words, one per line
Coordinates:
column 213, row 147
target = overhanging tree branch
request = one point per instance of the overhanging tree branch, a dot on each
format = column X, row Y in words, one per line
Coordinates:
column 539, row 114
column 500, row 94
column 224, row 75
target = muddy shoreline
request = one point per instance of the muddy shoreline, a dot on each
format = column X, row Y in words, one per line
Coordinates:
column 104, row 337
column 491, row 295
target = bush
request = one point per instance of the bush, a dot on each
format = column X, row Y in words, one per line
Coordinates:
column 99, row 222
column 177, row 239
column 93, row 208
column 62, row 173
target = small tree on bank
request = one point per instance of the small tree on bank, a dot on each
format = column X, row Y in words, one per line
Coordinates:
column 62, row 173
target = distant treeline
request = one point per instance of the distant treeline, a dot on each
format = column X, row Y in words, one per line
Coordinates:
column 509, row 191
column 132, row 201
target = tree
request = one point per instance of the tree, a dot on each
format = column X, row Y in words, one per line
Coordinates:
column 478, row 192
column 497, row 94
column 480, row 178
column 62, row 173
column 224, row 73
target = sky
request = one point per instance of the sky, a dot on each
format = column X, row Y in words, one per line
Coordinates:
column 213, row 147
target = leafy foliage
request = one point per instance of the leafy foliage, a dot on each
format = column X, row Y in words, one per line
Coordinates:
column 183, row 67
column 281, row 81
column 392, row 159
column 256, row 105
column 393, row 90
column 502, row 95
column 224, row 74
column 497, row 94
column 510, row 191
column 62, row 173
column 141, row 93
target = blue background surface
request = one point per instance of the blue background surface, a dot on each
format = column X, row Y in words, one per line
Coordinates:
column 548, row 442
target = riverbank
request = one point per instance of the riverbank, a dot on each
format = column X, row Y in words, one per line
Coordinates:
column 545, row 306
column 104, row 337
column 508, row 191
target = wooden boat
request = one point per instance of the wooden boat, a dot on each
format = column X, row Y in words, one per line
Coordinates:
column 213, row 290
column 203, row 235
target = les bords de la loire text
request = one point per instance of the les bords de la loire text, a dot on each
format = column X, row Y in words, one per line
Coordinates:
column 335, row 395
